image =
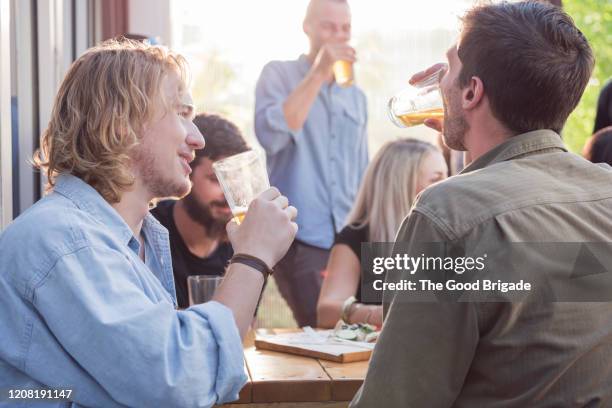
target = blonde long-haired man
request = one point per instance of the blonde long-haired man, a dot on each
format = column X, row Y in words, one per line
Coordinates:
column 87, row 300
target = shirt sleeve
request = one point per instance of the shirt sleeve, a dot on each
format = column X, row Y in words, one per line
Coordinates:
column 142, row 352
column 426, row 348
column 352, row 237
column 271, row 126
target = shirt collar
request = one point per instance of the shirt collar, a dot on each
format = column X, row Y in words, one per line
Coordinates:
column 517, row 146
column 88, row 199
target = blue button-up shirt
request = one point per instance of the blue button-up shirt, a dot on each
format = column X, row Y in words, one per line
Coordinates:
column 79, row 310
column 318, row 167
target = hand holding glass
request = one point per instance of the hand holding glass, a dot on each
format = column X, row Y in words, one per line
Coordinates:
column 422, row 101
column 242, row 177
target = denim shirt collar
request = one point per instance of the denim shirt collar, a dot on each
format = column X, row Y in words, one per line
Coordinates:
column 88, row 199
column 518, row 146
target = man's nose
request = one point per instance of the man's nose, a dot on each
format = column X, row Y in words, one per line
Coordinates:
column 195, row 139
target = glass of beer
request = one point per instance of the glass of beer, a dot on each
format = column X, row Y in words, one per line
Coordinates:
column 343, row 73
column 412, row 106
column 242, row 177
column 201, row 288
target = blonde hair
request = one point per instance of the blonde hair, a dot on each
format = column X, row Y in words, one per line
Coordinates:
column 388, row 188
column 107, row 96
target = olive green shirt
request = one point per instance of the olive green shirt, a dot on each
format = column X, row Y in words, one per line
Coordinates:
column 523, row 354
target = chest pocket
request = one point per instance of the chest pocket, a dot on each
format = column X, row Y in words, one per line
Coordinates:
column 352, row 116
column 352, row 121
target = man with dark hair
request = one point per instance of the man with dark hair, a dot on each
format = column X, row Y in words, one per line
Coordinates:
column 516, row 73
column 196, row 223
column 314, row 134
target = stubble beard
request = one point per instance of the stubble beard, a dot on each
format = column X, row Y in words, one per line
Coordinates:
column 158, row 182
column 455, row 125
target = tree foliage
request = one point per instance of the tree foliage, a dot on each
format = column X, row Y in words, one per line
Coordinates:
column 594, row 19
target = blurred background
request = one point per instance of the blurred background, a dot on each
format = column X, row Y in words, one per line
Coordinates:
column 227, row 43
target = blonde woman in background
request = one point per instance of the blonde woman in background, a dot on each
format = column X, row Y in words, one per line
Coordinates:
column 398, row 172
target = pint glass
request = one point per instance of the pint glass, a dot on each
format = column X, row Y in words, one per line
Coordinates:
column 242, row 177
column 343, row 73
column 412, row 106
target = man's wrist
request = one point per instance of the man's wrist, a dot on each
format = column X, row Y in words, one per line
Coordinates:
column 346, row 308
column 253, row 262
column 319, row 76
column 262, row 255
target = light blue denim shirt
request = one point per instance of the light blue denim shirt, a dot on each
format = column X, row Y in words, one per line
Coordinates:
column 79, row 310
column 318, row 167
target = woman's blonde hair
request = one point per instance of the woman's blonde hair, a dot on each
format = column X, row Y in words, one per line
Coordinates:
column 107, row 96
column 388, row 188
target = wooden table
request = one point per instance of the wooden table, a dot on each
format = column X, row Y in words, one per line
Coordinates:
column 285, row 380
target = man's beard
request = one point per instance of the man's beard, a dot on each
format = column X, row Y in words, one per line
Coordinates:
column 455, row 125
column 157, row 181
column 202, row 214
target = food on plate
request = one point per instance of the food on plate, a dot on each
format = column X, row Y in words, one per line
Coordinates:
column 355, row 332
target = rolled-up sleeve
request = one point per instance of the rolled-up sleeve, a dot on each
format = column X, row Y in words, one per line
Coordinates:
column 271, row 126
column 142, row 352
column 230, row 376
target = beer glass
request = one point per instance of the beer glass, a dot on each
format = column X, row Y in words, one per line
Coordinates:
column 242, row 177
column 412, row 106
column 343, row 73
column 201, row 288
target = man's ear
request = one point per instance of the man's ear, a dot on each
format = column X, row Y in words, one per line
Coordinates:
column 472, row 95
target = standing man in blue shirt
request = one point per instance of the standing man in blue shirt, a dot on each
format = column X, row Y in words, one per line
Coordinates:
column 87, row 298
column 314, row 134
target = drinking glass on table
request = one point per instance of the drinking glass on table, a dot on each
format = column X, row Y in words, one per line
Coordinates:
column 201, row 288
column 242, row 177
column 412, row 106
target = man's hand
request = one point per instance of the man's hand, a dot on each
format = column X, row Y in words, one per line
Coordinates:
column 419, row 76
column 268, row 229
column 330, row 53
column 435, row 124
